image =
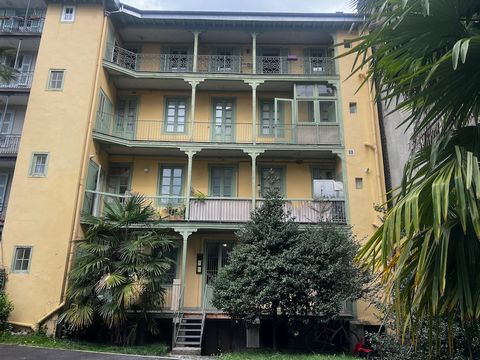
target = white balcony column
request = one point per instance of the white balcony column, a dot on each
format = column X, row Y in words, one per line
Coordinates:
column 185, row 234
column 195, row 50
column 193, row 98
column 253, row 85
column 254, row 53
column 253, row 155
column 190, row 153
column 18, row 52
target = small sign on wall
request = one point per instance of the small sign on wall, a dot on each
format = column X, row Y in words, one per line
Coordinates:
column 199, row 266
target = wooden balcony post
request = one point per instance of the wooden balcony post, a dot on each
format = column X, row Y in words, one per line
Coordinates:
column 185, row 234
column 195, row 49
column 190, row 153
column 193, row 98
column 254, row 85
column 5, row 109
column 253, row 155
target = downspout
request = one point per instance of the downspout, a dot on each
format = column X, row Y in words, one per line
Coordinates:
column 76, row 214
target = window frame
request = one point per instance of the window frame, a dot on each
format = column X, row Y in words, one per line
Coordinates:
column 31, row 172
column 49, row 80
column 175, row 124
column 63, row 18
column 326, row 167
column 14, row 259
column 315, row 100
column 283, row 179
column 234, row 179
column 281, row 119
column 160, row 201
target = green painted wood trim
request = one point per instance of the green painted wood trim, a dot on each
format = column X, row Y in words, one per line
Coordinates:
column 283, row 178
column 137, row 108
column 159, row 178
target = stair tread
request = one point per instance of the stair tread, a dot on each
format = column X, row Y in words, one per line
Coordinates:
column 197, row 343
column 189, row 337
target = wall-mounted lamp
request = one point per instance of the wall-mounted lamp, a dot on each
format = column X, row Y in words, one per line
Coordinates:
column 146, row 170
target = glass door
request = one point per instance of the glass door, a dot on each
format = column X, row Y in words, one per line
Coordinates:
column 3, row 192
column 178, row 60
column 223, row 120
column 126, row 118
column 23, row 65
column 216, row 257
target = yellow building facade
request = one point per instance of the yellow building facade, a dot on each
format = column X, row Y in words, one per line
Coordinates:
column 193, row 110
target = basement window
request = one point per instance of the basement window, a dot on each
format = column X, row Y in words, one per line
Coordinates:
column 68, row 13
column 21, row 259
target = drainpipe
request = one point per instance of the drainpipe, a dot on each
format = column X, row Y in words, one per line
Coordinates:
column 26, row 14
column 49, row 314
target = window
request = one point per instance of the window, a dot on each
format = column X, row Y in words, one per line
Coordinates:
column 21, row 260
column 358, row 183
column 119, row 179
column 353, row 107
column 171, row 184
column 171, row 273
column 272, row 178
column 55, row 80
column 39, row 165
column 222, row 181
column 176, row 115
column 347, row 44
column 68, row 13
column 323, row 183
column 268, row 125
column 104, row 113
column 327, row 111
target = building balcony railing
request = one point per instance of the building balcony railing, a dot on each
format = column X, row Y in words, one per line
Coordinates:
column 224, row 210
column 3, row 212
column 326, row 133
column 9, row 144
column 17, row 24
column 21, row 80
column 220, row 64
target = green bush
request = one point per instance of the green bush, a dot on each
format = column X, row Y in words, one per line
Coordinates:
column 466, row 343
column 6, row 308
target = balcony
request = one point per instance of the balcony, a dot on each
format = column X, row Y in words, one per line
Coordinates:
column 327, row 133
column 15, row 23
column 225, row 210
column 9, row 145
column 220, row 64
column 22, row 80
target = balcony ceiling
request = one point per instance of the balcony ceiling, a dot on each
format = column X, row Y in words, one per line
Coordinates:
column 27, row 45
column 18, row 99
column 123, row 82
column 136, row 34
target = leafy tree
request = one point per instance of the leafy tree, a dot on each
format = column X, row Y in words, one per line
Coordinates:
column 425, row 60
column 120, row 267
column 6, row 307
column 280, row 272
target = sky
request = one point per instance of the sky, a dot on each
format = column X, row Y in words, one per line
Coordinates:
column 307, row 6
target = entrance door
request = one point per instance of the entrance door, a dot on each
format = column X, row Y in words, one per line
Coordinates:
column 223, row 120
column 216, row 257
column 126, row 118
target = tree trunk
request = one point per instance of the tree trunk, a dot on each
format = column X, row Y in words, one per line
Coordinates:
column 274, row 328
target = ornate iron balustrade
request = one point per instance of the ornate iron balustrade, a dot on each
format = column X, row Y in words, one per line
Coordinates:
column 3, row 212
column 17, row 24
column 220, row 64
column 233, row 64
column 9, row 144
column 210, row 132
column 21, row 80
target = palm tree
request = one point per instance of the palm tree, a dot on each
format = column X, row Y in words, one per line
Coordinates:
column 119, row 271
column 425, row 58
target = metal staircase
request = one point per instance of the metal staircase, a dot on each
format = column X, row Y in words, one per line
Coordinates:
column 188, row 331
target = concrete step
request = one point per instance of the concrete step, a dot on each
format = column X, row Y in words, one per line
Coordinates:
column 186, row 350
